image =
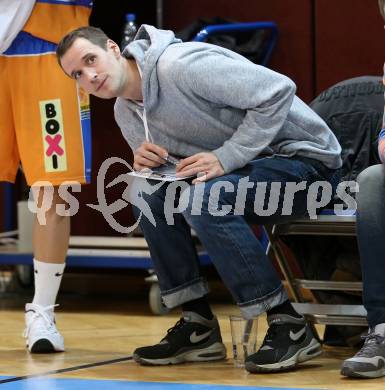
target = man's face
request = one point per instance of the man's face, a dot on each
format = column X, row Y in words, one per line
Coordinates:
column 97, row 71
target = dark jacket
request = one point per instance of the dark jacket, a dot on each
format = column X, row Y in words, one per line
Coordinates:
column 353, row 109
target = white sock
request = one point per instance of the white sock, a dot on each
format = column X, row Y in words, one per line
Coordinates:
column 47, row 282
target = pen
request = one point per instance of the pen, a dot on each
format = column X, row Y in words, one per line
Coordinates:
column 171, row 160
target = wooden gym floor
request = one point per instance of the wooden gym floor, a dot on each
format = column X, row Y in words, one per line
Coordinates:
column 101, row 333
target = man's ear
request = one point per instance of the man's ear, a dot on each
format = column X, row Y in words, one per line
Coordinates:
column 114, row 47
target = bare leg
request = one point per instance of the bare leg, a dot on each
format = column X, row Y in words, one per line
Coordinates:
column 50, row 243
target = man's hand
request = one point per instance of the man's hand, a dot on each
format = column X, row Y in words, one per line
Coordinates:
column 149, row 155
column 205, row 165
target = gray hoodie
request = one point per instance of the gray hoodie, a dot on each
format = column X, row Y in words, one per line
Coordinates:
column 200, row 97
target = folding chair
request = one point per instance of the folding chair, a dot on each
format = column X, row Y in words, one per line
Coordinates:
column 326, row 224
column 353, row 109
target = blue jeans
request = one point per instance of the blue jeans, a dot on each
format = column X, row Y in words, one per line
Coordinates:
column 219, row 211
column 371, row 236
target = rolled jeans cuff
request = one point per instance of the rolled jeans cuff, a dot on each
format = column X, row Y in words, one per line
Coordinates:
column 258, row 306
column 185, row 293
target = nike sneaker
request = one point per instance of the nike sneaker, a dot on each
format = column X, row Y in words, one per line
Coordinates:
column 40, row 331
column 192, row 339
column 369, row 361
column 288, row 341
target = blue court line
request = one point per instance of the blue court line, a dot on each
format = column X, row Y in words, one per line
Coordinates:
column 86, row 384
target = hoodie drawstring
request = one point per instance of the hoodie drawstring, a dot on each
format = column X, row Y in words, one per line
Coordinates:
column 144, row 119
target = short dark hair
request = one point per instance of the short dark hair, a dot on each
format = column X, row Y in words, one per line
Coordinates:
column 381, row 4
column 93, row 34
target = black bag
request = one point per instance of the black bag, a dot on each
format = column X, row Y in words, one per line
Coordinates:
column 353, row 109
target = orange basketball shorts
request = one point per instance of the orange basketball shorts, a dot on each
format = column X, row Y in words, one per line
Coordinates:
column 44, row 117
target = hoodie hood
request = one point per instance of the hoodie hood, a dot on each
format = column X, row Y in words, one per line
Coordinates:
column 148, row 45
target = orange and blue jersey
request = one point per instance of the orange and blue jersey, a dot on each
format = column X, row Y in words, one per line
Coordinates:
column 52, row 19
column 45, row 117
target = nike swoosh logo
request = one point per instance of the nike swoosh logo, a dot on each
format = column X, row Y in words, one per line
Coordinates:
column 194, row 338
column 296, row 336
column 57, row 274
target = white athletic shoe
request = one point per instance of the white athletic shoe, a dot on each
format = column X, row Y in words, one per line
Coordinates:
column 40, row 331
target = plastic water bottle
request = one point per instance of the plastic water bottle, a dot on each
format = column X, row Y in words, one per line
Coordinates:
column 129, row 30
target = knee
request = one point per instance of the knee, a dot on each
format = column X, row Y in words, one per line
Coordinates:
column 142, row 195
column 371, row 178
column 54, row 205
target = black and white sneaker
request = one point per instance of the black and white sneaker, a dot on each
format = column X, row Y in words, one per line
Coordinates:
column 369, row 361
column 288, row 341
column 192, row 339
